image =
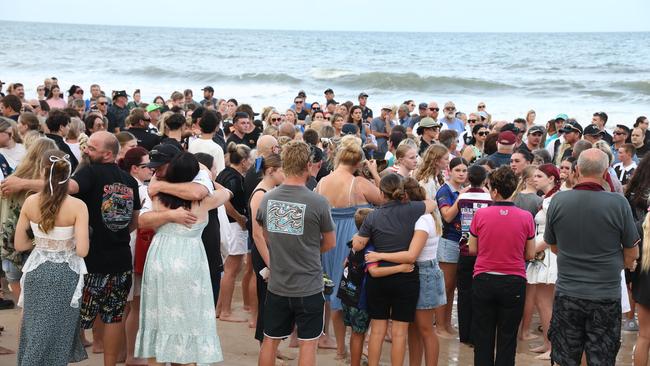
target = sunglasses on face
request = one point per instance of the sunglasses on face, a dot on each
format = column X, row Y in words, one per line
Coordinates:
column 434, row 109
column 299, row 102
column 536, row 134
column 102, row 103
column 79, row 92
column 276, row 119
column 471, row 120
column 450, row 109
column 619, row 133
column 481, row 106
column 483, row 133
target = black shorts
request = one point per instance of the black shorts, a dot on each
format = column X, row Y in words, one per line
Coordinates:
column 590, row 325
column 281, row 313
column 393, row 297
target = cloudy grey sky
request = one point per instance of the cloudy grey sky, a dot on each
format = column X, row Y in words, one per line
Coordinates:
column 359, row 15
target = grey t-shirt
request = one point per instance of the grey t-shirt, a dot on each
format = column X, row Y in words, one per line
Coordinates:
column 379, row 125
column 589, row 228
column 294, row 218
column 530, row 202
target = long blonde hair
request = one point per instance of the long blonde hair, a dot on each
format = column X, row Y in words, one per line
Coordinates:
column 645, row 261
column 429, row 166
column 526, row 174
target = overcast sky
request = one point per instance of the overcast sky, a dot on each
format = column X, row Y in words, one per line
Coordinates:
column 355, row 15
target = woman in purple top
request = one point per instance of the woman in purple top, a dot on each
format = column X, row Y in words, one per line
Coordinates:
column 503, row 237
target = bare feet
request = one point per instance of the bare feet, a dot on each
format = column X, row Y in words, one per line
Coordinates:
column 341, row 356
column 232, row 318
column 284, row 357
column 527, row 336
column 326, row 342
column 98, row 348
column 544, row 356
column 444, row 334
column 539, row 349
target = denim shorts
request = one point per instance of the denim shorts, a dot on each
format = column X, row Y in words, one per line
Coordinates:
column 12, row 272
column 432, row 286
column 448, row 251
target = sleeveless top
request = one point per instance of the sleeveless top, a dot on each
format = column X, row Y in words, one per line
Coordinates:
column 57, row 246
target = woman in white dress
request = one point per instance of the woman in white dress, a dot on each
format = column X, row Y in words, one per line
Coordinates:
column 542, row 272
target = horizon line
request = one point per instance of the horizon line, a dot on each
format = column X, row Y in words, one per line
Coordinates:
column 322, row 30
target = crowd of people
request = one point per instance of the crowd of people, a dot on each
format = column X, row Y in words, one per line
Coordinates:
column 136, row 219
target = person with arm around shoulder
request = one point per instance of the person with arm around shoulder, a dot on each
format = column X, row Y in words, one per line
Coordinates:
column 390, row 228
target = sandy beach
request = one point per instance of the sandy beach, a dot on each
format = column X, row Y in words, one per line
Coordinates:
column 240, row 349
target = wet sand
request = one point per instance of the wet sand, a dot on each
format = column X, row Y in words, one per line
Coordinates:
column 240, row 349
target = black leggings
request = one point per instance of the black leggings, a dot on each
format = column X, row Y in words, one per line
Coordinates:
column 258, row 265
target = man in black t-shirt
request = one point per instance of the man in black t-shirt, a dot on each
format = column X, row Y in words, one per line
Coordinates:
column 113, row 206
column 117, row 112
column 242, row 125
column 57, row 122
column 366, row 113
column 139, row 121
column 301, row 111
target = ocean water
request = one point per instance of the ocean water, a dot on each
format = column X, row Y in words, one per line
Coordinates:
column 573, row 73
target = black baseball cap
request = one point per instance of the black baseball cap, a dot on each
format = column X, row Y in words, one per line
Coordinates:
column 120, row 93
column 162, row 154
column 208, row 88
column 363, row 95
column 571, row 126
column 593, row 130
column 423, row 106
column 328, row 90
column 536, row 129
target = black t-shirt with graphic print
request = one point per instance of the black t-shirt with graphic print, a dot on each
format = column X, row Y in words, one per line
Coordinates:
column 112, row 198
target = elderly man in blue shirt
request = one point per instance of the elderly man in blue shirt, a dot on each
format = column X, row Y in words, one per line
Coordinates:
column 449, row 121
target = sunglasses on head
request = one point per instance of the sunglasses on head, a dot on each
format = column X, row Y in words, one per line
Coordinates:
column 434, row 109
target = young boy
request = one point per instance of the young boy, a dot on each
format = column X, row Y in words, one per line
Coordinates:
column 356, row 315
